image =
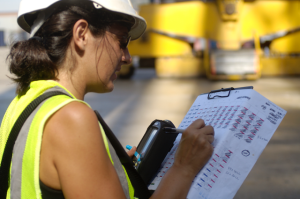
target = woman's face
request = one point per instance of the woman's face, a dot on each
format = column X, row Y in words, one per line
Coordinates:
column 111, row 53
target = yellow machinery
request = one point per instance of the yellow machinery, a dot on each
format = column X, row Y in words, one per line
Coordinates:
column 222, row 39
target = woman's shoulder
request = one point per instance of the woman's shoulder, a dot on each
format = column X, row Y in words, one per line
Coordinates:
column 72, row 121
column 76, row 111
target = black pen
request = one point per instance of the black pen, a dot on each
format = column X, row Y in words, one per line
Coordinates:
column 173, row 130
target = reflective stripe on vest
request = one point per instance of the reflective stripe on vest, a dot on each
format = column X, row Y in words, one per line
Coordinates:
column 19, row 170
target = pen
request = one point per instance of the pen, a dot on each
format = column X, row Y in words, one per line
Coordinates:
column 173, row 130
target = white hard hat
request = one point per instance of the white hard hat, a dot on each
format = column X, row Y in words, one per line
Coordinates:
column 29, row 7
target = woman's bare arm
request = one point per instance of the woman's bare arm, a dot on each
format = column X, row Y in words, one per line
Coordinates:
column 73, row 152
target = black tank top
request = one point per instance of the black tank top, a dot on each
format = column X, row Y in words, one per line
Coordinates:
column 49, row 193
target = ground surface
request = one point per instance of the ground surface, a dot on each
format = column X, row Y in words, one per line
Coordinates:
column 135, row 103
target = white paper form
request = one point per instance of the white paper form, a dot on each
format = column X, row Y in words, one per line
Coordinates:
column 244, row 122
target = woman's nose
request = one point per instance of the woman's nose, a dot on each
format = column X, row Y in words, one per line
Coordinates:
column 126, row 58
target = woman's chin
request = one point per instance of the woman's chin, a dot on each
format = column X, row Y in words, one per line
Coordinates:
column 109, row 87
column 103, row 88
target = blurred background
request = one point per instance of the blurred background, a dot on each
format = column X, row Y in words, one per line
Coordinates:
column 192, row 47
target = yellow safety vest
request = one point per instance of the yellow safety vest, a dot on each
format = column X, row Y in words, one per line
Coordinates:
column 24, row 175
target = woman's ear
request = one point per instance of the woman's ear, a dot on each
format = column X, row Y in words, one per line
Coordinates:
column 80, row 36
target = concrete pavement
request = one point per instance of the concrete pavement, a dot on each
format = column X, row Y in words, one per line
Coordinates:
column 135, row 103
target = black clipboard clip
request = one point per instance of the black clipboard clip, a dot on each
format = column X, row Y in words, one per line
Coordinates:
column 224, row 90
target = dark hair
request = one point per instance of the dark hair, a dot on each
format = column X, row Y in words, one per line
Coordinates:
column 39, row 58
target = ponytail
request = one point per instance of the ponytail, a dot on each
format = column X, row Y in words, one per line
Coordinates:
column 29, row 61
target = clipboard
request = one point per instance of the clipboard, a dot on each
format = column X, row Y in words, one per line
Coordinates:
column 244, row 122
column 212, row 94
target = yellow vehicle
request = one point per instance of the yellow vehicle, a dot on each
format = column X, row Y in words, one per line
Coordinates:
column 222, row 39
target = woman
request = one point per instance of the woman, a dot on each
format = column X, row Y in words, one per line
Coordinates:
column 77, row 47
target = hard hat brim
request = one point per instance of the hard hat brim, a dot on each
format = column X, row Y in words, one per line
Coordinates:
column 27, row 12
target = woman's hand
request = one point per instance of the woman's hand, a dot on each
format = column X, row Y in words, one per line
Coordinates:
column 195, row 147
column 131, row 152
column 192, row 154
